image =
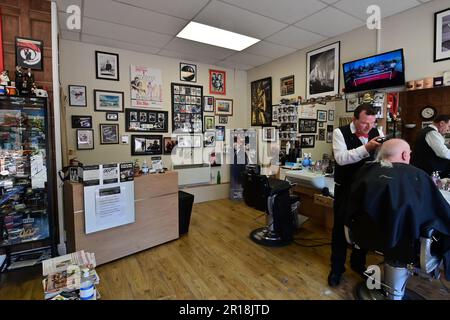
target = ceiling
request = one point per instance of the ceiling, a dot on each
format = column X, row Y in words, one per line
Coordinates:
column 285, row 26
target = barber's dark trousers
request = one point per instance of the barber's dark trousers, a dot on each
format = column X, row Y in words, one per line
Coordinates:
column 339, row 242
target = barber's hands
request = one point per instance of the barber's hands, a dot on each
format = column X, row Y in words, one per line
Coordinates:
column 372, row 144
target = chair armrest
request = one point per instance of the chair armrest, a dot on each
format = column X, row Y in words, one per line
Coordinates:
column 428, row 261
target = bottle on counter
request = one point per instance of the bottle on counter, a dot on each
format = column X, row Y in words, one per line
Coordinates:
column 145, row 167
column 87, row 288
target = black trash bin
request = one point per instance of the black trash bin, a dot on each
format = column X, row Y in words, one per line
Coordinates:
column 185, row 202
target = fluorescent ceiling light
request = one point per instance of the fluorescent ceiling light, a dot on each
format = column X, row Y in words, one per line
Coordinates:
column 217, row 37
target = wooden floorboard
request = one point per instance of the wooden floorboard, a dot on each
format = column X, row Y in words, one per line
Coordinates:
column 217, row 260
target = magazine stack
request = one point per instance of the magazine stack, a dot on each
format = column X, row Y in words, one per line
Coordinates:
column 63, row 276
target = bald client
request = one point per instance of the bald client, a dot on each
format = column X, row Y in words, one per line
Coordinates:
column 394, row 151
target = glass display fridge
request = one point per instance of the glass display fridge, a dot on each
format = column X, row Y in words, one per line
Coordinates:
column 25, row 181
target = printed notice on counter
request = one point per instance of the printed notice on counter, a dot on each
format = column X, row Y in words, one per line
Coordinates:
column 109, row 203
column 110, row 173
column 126, row 172
column 91, row 175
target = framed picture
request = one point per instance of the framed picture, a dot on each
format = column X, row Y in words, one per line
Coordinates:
column 287, row 85
column 208, row 104
column 215, row 159
column 106, row 65
column 275, row 112
column 320, row 124
column 223, row 120
column 220, row 133
column 307, row 125
column 351, row 102
column 217, row 82
column 146, row 120
column 307, row 141
column 142, row 145
column 108, row 100
column 77, row 96
column 269, row 134
column 189, row 141
column 261, row 102
column 188, row 72
column 112, row 116
column 85, row 139
column 169, row 145
column 80, row 122
column 146, row 87
column 29, row 53
column 209, row 139
column 330, row 134
column 209, row 123
column 109, row 133
column 322, row 115
column 187, row 111
column 330, row 115
column 442, row 35
column 224, row 107
column 322, row 77
column 322, row 133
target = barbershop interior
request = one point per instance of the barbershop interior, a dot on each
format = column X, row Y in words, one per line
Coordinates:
column 225, row 150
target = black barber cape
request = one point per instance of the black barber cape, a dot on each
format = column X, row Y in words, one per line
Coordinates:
column 399, row 200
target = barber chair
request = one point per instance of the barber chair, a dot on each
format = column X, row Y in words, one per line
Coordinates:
column 409, row 257
column 271, row 196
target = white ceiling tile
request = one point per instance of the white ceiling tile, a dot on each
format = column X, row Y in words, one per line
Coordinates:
column 337, row 22
column 198, row 49
column 231, row 65
column 118, row 32
column 247, row 59
column 187, row 56
column 228, row 17
column 117, row 44
column 69, row 35
column 294, row 37
column 288, row 11
column 124, row 14
column 185, row 9
column 388, row 7
column 267, row 49
column 330, row 1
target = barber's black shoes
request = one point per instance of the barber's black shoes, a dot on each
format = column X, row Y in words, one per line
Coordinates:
column 334, row 279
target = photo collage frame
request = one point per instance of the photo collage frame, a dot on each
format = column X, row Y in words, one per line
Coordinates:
column 142, row 120
column 187, row 111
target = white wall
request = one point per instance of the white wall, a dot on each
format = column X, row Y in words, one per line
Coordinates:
column 412, row 30
column 78, row 68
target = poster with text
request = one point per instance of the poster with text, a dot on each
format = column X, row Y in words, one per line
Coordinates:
column 146, row 87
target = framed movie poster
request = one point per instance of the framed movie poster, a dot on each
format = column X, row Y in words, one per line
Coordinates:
column 287, row 85
column 109, row 133
column 187, row 111
column 142, row 145
column 442, row 35
column 217, row 82
column 108, row 100
column 188, row 72
column 106, row 65
column 261, row 102
column 146, row 87
column 224, row 107
column 146, row 120
column 29, row 53
column 80, row 122
column 322, row 77
column 85, row 139
column 77, row 96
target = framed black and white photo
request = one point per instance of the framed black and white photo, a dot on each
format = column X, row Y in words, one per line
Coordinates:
column 322, row 77
column 269, row 134
column 351, row 102
column 29, row 53
column 112, row 116
column 108, row 100
column 85, row 139
column 224, row 107
column 142, row 145
column 307, row 125
column 188, row 72
column 209, row 122
column 320, row 124
column 307, row 141
column 209, row 139
column 109, row 133
column 287, row 85
column 223, row 120
column 77, row 96
column 322, row 133
column 80, row 122
column 322, row 115
column 208, row 104
column 442, row 35
column 146, row 120
column 330, row 115
column 330, row 129
column 107, row 65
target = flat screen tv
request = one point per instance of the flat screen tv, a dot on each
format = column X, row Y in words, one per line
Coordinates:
column 375, row 72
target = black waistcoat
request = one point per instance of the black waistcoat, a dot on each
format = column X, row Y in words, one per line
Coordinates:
column 343, row 174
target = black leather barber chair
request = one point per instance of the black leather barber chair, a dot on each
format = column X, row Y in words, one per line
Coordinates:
column 409, row 257
column 271, row 196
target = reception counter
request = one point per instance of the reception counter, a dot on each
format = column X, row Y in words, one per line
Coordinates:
column 156, row 219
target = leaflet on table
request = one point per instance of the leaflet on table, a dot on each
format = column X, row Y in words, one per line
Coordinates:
column 59, row 264
column 90, row 175
column 110, row 173
column 126, row 172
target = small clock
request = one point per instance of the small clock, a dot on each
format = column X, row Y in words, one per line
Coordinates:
column 428, row 113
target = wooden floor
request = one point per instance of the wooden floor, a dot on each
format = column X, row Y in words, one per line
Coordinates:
column 217, row 260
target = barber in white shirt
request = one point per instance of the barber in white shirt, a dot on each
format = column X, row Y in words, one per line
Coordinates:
column 353, row 145
column 430, row 152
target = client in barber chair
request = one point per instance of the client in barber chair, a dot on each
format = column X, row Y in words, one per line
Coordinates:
column 396, row 200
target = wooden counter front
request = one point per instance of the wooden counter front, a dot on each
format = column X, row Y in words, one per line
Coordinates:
column 156, row 219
